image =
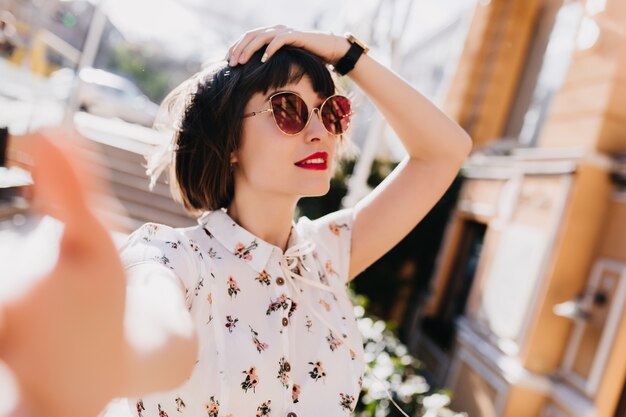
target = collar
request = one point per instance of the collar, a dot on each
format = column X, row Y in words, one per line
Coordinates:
column 240, row 242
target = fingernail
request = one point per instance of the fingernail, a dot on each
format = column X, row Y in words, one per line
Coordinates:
column 264, row 58
column 232, row 61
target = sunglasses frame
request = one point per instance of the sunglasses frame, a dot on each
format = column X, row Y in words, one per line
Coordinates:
column 308, row 120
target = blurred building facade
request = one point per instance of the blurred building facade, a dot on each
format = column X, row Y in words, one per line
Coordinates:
column 526, row 314
column 52, row 33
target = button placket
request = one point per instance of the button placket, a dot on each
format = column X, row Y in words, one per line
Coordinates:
column 281, row 288
column 296, row 288
column 295, row 268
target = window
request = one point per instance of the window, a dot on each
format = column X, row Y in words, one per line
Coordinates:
column 549, row 57
column 440, row 328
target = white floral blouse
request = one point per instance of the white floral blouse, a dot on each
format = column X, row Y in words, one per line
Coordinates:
column 277, row 332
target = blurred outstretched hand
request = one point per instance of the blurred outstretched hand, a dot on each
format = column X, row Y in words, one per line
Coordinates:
column 64, row 339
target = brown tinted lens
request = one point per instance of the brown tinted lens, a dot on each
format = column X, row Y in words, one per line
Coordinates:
column 336, row 114
column 290, row 112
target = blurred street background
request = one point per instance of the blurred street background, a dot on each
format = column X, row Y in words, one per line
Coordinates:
column 509, row 298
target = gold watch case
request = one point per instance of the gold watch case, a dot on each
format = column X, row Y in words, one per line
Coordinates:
column 352, row 39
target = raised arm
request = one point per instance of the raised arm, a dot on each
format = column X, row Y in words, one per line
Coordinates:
column 436, row 145
column 436, row 148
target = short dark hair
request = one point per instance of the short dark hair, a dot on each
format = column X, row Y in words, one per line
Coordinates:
column 208, row 110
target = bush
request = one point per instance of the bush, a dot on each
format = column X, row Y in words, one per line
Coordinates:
column 402, row 374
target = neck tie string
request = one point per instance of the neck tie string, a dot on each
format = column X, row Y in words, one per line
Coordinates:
column 289, row 263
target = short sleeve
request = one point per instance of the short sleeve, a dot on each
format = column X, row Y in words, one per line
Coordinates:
column 332, row 235
column 159, row 244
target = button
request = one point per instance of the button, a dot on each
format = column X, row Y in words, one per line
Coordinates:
column 280, row 281
column 285, row 321
column 292, row 414
column 287, row 367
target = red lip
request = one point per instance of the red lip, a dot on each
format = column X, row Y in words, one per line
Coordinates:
column 315, row 166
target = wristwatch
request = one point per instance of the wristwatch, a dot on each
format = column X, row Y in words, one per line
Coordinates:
column 347, row 62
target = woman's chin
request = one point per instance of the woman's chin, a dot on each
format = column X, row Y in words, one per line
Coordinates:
column 315, row 190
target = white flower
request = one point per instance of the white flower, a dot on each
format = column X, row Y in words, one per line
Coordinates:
column 433, row 403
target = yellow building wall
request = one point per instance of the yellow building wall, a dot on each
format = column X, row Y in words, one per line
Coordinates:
column 490, row 66
column 573, row 256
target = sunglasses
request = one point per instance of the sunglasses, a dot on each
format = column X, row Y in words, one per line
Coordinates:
column 292, row 115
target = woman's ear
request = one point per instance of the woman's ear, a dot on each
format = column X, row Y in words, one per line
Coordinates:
column 233, row 158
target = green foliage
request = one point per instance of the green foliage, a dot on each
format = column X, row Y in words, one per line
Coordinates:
column 134, row 63
column 401, row 373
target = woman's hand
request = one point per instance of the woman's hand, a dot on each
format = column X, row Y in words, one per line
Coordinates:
column 63, row 339
column 327, row 46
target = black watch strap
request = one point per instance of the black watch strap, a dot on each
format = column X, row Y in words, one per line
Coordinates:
column 348, row 61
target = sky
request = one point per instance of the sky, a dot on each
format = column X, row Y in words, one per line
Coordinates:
column 186, row 26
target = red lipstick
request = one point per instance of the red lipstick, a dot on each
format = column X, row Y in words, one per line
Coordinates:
column 317, row 161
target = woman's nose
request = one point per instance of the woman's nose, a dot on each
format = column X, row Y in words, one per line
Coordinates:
column 316, row 129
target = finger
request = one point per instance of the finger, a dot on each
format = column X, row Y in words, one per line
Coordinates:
column 263, row 39
column 265, row 32
column 256, row 44
column 276, row 43
column 231, row 53
column 1, row 322
column 58, row 191
column 239, row 45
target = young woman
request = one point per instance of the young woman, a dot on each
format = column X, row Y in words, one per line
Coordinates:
column 273, row 331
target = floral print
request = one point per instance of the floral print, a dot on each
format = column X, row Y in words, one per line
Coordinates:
column 318, row 370
column 322, row 278
column 292, row 308
column 263, row 278
column 245, row 252
column 140, row 408
column 173, row 245
column 295, row 393
column 164, row 260
column 260, row 346
column 231, row 323
column 346, row 401
column 195, row 248
column 251, row 381
column 281, row 302
column 198, row 286
column 150, row 230
column 283, row 372
column 352, row 354
column 328, row 268
column 264, row 409
column 213, row 254
column 333, row 342
column 180, row 404
column 296, row 356
column 233, row 288
column 336, row 228
column 212, row 407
